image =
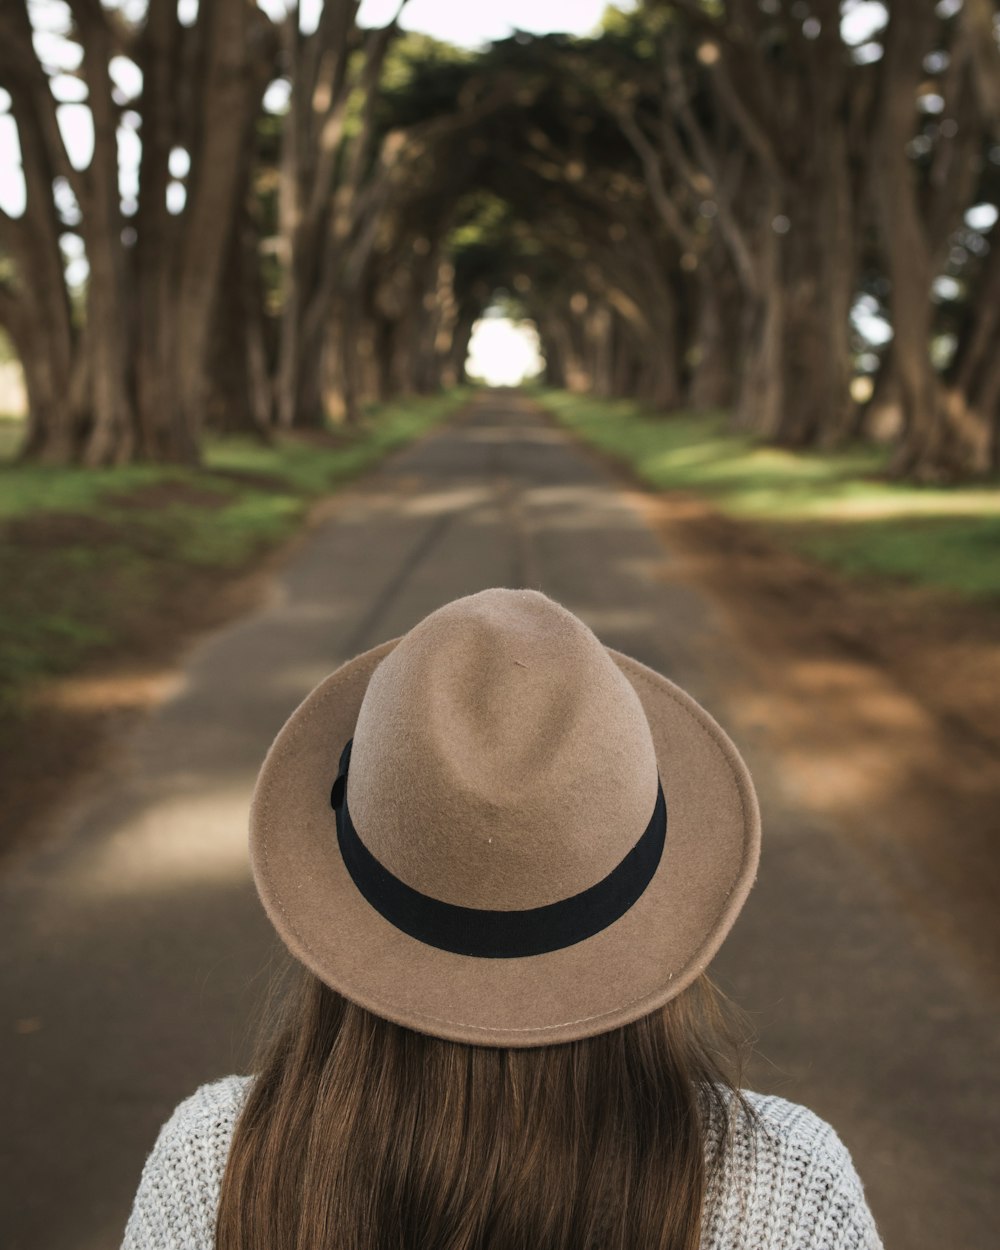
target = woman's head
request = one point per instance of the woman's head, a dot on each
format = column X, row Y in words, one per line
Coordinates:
column 520, row 849
column 497, row 830
column 361, row 1134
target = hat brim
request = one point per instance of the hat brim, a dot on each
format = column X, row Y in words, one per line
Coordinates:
column 627, row 970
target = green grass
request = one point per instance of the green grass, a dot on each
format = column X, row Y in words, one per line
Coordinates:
column 307, row 469
column 87, row 555
column 836, row 507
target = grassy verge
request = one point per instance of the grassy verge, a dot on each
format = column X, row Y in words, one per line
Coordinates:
column 91, row 561
column 834, row 507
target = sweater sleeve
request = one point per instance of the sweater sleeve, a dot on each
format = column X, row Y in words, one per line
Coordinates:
column 848, row 1223
column 818, row 1191
column 177, row 1200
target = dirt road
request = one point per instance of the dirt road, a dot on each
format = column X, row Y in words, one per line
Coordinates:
column 133, row 950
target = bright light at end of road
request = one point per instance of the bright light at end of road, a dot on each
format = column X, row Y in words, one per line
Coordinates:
column 502, row 353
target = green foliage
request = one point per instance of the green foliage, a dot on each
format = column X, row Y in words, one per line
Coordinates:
column 85, row 553
column 413, row 56
column 836, row 507
column 422, row 78
column 482, row 217
column 635, row 30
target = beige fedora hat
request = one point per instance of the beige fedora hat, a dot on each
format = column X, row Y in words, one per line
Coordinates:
column 497, row 830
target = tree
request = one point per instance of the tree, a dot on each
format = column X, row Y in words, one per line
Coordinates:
column 912, row 256
column 331, row 191
column 126, row 378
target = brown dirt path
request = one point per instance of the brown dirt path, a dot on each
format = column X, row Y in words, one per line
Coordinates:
column 884, row 703
column 882, row 699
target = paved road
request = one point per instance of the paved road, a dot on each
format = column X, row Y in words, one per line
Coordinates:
column 133, row 951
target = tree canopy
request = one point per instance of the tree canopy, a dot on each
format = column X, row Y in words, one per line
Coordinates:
column 774, row 209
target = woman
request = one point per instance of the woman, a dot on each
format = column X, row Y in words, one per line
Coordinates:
column 503, row 899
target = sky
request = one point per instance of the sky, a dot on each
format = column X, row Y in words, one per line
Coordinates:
column 471, row 23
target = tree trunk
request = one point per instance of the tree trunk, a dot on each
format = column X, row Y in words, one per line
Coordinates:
column 760, row 399
column 974, row 399
column 326, row 220
column 233, row 84
column 818, row 276
column 713, row 378
column 35, row 307
column 153, row 280
column 383, row 347
column 931, row 446
column 819, row 253
column 882, row 421
column 342, row 395
column 110, row 325
column 236, row 400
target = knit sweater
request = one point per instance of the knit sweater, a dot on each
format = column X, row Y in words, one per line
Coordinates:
column 788, row 1184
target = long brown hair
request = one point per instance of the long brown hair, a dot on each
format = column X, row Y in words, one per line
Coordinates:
column 359, row 1134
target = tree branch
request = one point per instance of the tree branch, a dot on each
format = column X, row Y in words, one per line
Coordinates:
column 653, row 169
column 977, row 19
column 22, row 74
column 11, row 231
column 10, row 309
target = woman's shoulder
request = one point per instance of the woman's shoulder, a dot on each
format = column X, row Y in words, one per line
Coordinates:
column 780, row 1165
column 793, row 1126
column 212, row 1110
column 200, row 1127
column 177, row 1198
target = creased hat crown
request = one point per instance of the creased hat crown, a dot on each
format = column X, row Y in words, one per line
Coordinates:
column 501, row 759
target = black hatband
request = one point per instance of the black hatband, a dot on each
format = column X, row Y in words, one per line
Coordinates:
column 498, row 934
